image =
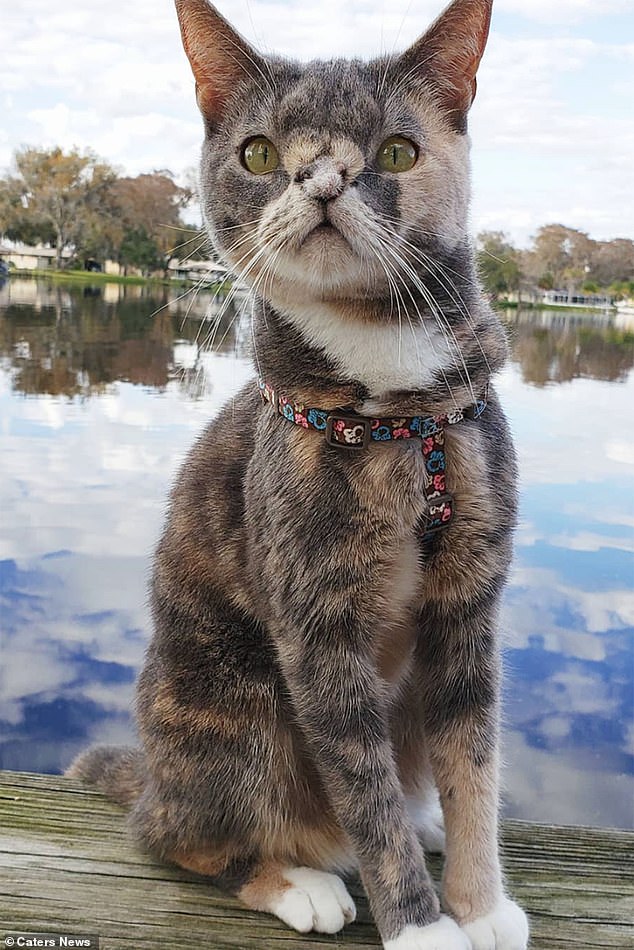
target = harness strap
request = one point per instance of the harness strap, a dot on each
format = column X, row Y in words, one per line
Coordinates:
column 351, row 431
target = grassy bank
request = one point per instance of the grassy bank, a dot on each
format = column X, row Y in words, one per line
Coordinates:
column 96, row 277
column 84, row 278
column 528, row 305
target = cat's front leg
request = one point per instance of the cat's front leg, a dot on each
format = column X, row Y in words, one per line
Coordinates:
column 341, row 712
column 325, row 619
column 458, row 666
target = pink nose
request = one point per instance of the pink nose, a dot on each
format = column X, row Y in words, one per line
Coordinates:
column 324, row 179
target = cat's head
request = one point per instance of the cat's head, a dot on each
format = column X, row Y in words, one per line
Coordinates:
column 326, row 180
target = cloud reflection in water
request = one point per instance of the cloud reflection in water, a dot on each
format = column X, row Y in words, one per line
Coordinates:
column 88, row 452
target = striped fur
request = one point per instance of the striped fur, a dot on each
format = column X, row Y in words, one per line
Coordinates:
column 315, row 670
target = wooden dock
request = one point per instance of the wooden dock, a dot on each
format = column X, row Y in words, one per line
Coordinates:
column 66, row 866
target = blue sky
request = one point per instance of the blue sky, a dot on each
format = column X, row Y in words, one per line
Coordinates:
column 552, row 130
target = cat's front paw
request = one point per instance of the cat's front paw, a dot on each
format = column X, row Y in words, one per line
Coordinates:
column 443, row 934
column 504, row 928
column 315, row 900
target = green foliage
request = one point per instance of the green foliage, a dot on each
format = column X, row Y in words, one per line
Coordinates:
column 622, row 289
column 74, row 201
column 138, row 249
column 498, row 263
column 53, row 196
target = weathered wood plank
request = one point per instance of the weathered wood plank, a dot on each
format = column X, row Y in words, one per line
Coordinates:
column 67, row 865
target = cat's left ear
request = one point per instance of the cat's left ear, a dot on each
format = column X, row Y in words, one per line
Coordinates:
column 219, row 57
column 449, row 54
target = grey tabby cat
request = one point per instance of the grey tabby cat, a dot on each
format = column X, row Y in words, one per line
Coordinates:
column 324, row 668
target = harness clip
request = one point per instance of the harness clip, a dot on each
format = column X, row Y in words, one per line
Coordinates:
column 348, row 431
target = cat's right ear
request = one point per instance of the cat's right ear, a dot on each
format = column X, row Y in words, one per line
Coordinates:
column 449, row 54
column 220, row 58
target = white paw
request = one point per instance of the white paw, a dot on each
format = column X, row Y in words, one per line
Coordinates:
column 505, row 928
column 444, row 934
column 429, row 822
column 316, row 901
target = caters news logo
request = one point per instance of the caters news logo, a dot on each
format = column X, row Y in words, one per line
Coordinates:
column 52, row 941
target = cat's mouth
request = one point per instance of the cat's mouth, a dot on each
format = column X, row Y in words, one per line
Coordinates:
column 325, row 230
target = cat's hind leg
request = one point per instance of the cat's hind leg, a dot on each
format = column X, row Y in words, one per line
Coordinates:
column 303, row 898
column 415, row 770
column 426, row 813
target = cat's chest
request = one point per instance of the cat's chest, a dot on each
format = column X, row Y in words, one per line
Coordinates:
column 384, row 357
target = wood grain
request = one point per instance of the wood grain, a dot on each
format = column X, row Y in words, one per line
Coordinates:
column 66, row 865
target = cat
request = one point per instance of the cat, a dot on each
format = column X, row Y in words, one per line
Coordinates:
column 325, row 668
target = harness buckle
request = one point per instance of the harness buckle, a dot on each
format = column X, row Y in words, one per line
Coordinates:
column 439, row 513
column 348, row 431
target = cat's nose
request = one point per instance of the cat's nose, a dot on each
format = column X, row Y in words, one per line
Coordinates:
column 324, row 179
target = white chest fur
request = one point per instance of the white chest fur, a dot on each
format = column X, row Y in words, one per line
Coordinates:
column 384, row 357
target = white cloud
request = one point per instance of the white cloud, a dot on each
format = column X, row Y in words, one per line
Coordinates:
column 97, row 444
column 590, row 541
column 114, row 77
column 554, row 787
column 25, row 665
column 536, row 599
column 620, row 451
column 540, row 141
column 544, row 456
column 563, row 11
column 604, row 610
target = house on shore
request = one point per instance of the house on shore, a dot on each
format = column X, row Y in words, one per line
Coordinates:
column 25, row 257
column 208, row 272
column 548, row 299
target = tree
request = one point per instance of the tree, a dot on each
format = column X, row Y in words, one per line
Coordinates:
column 560, row 256
column 590, row 287
column 140, row 250
column 498, row 263
column 73, row 200
column 152, row 203
column 16, row 224
column 613, row 261
column 622, row 288
column 54, row 197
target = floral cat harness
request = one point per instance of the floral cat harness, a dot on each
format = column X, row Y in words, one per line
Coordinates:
column 351, row 431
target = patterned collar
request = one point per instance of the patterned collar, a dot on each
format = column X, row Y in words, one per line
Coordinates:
column 350, row 431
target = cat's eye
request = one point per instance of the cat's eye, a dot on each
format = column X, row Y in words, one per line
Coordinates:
column 397, row 154
column 259, row 156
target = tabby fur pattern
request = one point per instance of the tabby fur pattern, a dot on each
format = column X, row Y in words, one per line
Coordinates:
column 320, row 677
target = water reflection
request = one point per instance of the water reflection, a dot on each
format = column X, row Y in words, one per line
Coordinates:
column 69, row 341
column 118, row 389
column 554, row 346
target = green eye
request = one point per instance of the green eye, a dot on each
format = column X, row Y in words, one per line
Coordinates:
column 259, row 156
column 397, row 154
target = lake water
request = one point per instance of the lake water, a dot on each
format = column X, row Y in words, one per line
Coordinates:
column 102, row 391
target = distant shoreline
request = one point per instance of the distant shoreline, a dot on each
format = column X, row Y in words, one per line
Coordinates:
column 87, row 277
column 96, row 277
column 529, row 305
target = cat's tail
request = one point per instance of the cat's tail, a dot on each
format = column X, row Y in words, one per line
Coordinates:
column 117, row 771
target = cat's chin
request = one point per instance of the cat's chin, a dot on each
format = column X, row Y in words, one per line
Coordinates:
column 324, row 261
